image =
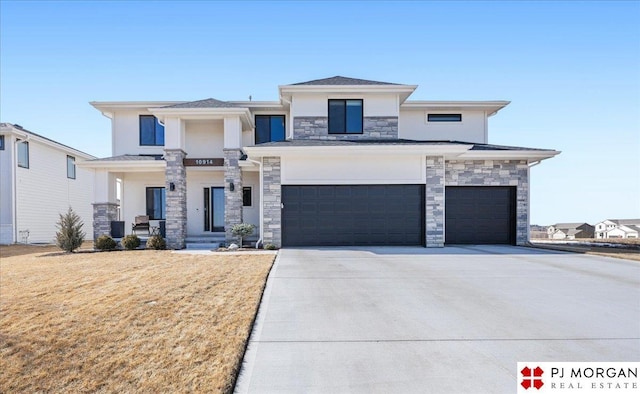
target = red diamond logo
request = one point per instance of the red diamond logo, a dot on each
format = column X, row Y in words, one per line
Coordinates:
column 532, row 378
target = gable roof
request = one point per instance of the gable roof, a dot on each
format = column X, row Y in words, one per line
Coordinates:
column 569, row 226
column 342, row 81
column 16, row 128
column 206, row 103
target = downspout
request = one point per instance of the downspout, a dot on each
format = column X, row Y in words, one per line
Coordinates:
column 259, row 163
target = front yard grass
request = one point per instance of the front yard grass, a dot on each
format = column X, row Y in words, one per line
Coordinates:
column 140, row 321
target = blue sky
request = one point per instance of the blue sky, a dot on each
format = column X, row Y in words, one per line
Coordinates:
column 571, row 70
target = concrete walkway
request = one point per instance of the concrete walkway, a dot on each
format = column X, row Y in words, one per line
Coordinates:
column 452, row 320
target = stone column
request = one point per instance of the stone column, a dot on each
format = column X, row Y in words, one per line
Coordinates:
column 271, row 204
column 176, row 199
column 232, row 198
column 434, row 198
column 103, row 214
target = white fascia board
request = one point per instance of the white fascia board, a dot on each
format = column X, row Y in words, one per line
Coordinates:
column 492, row 107
column 387, row 150
column 126, row 166
column 509, row 155
column 111, row 106
column 204, row 113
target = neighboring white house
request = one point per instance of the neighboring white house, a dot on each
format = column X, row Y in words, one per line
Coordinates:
column 39, row 179
column 335, row 161
column 618, row 228
column 570, row 231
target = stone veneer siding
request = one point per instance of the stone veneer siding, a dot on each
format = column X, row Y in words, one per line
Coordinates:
column 271, row 201
column 317, row 128
column 434, row 199
column 232, row 199
column 176, row 201
column 496, row 173
column 103, row 214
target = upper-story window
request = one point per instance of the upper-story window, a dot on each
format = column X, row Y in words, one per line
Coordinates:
column 23, row 154
column 345, row 116
column 71, row 167
column 444, row 117
column 1, row 142
column 269, row 128
column 151, row 131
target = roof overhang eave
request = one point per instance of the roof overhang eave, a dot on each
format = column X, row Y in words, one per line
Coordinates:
column 350, row 150
column 125, row 165
column 530, row 155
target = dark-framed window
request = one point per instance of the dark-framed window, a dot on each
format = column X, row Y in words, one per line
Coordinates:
column 23, row 154
column 156, row 199
column 1, row 142
column 345, row 116
column 151, row 131
column 270, row 128
column 71, row 167
column 246, row 196
column 444, row 117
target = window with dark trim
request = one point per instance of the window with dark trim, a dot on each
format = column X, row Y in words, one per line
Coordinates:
column 155, row 203
column 151, row 131
column 1, row 142
column 23, row 154
column 71, row 167
column 269, row 128
column 444, row 117
column 246, row 196
column 345, row 116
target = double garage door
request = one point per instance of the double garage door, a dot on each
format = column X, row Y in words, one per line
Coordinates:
column 352, row 215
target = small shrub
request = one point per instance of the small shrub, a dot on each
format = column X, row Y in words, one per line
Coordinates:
column 105, row 242
column 156, row 242
column 130, row 241
column 270, row 247
column 69, row 236
column 242, row 230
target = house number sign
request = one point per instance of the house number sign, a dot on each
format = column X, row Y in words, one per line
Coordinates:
column 205, row 162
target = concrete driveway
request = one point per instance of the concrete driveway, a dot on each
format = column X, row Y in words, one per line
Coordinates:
column 451, row 320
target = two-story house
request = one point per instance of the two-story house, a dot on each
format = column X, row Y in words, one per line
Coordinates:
column 40, row 179
column 335, row 161
column 570, row 231
column 618, row 228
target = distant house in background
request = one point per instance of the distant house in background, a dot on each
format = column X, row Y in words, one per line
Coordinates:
column 618, row 228
column 570, row 231
column 38, row 181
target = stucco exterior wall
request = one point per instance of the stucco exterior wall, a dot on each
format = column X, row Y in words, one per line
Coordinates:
column 134, row 194
column 204, row 138
column 413, row 125
column 126, row 134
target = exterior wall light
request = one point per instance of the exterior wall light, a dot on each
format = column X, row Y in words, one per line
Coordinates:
column 172, row 186
column 231, row 186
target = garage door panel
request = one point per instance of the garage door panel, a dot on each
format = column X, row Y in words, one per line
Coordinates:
column 480, row 215
column 315, row 215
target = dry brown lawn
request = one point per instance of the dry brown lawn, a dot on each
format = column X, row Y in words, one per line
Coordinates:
column 138, row 321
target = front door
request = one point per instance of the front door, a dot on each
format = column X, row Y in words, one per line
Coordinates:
column 214, row 209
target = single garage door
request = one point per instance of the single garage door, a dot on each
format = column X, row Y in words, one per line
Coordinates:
column 480, row 215
column 349, row 215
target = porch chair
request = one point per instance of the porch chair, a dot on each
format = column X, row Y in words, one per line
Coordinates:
column 141, row 223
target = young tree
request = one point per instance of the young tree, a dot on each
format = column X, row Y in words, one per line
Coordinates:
column 242, row 230
column 69, row 236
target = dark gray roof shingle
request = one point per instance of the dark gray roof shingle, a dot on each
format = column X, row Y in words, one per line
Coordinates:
column 206, row 103
column 339, row 80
